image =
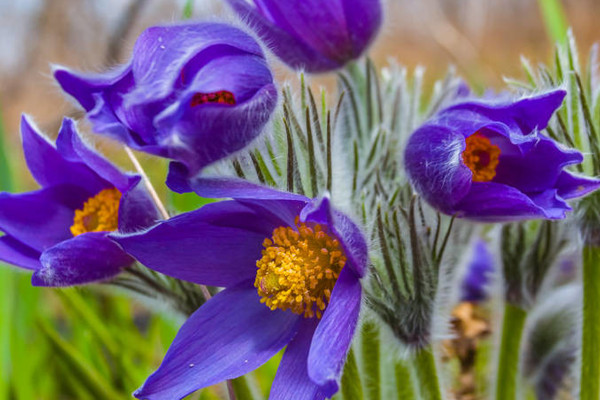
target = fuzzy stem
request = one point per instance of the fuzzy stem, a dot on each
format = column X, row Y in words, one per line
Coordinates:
column 590, row 354
column 508, row 362
column 151, row 190
column 427, row 376
column 404, row 383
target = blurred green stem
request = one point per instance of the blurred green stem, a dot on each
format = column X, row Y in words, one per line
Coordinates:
column 427, row 376
column 590, row 353
column 508, row 361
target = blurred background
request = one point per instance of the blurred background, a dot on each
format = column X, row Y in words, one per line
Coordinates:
column 82, row 343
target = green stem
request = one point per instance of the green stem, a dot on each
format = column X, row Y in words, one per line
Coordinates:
column 590, row 354
column 371, row 361
column 508, row 362
column 404, row 383
column 427, row 376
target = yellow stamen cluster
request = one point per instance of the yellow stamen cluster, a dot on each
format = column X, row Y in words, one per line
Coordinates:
column 99, row 213
column 482, row 157
column 298, row 269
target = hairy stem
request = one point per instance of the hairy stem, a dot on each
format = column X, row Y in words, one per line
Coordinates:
column 590, row 353
column 508, row 362
column 427, row 376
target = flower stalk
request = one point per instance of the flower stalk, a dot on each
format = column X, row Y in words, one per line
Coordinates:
column 427, row 376
column 590, row 356
column 508, row 361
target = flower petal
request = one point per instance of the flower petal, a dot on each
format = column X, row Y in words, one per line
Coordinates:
column 137, row 211
column 86, row 258
column 48, row 166
column 291, row 49
column 349, row 235
column 570, row 185
column 221, row 187
column 101, row 95
column 334, row 334
column 230, row 335
column 478, row 274
column 495, row 202
column 161, row 52
column 364, row 17
column 523, row 116
column 16, row 253
column 207, row 252
column 291, row 380
column 42, row 218
column 538, row 168
column 72, row 148
column 434, row 164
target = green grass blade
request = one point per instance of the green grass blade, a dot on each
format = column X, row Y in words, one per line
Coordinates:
column 188, row 9
column 555, row 19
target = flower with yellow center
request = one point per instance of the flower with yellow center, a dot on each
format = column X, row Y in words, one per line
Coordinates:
column 298, row 269
column 482, row 157
column 99, row 213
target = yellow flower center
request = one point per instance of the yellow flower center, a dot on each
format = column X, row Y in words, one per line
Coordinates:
column 482, row 157
column 298, row 269
column 99, row 213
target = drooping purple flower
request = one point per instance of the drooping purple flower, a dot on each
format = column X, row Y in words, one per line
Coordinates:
column 313, row 35
column 487, row 160
column 60, row 231
column 194, row 93
column 290, row 267
column 477, row 277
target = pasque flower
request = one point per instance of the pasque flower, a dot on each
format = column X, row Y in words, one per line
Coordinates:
column 194, row 93
column 60, row 231
column 487, row 160
column 478, row 275
column 314, row 35
column 290, row 267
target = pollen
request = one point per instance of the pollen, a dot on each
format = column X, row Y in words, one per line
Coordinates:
column 298, row 269
column 220, row 97
column 99, row 213
column 481, row 157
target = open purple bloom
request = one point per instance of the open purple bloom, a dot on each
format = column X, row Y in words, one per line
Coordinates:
column 479, row 271
column 314, row 35
column 486, row 160
column 194, row 93
column 60, row 231
column 290, row 267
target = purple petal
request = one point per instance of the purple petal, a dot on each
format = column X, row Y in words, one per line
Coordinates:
column 434, row 164
column 349, row 235
column 290, row 48
column 291, row 380
column 72, row 148
column 86, row 258
column 334, row 334
column 523, row 116
column 161, row 52
column 570, row 185
column 207, row 253
column 537, row 169
column 364, row 17
column 101, row 95
column 220, row 187
column 42, row 218
column 48, row 166
column 230, row 335
column 477, row 278
column 137, row 211
column 16, row 253
column 494, row 202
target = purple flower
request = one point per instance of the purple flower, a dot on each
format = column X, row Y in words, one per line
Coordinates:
column 60, row 231
column 290, row 267
column 314, row 35
column 488, row 161
column 193, row 93
column 479, row 270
